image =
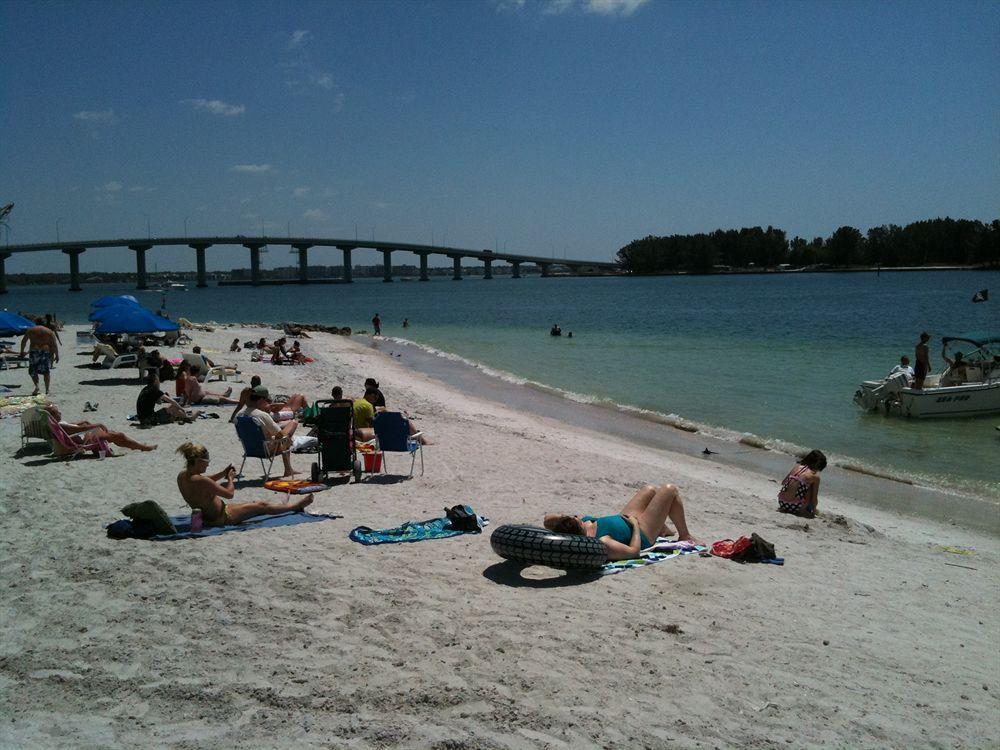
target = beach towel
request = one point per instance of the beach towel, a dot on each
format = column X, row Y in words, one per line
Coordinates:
column 649, row 558
column 121, row 529
column 412, row 531
column 13, row 406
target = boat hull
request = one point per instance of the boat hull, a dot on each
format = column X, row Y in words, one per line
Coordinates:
column 970, row 400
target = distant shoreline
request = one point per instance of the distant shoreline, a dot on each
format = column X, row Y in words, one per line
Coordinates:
column 174, row 276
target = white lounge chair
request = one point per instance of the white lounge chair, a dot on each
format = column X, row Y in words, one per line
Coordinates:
column 205, row 371
column 111, row 362
column 35, row 424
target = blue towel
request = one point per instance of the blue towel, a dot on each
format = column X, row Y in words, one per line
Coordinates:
column 183, row 525
column 646, row 558
column 411, row 531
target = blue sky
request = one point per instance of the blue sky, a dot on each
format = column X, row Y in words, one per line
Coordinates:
column 551, row 127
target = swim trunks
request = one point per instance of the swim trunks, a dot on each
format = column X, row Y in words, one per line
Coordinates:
column 39, row 362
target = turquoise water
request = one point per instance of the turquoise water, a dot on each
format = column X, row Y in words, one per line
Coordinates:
column 775, row 356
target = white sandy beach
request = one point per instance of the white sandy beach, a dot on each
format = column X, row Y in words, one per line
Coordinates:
column 871, row 634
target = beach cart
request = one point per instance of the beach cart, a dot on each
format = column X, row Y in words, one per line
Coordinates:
column 337, row 451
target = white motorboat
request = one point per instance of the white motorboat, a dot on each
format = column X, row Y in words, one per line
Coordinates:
column 946, row 394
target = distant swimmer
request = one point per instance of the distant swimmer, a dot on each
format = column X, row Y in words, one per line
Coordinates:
column 569, row 335
column 556, row 330
column 406, row 322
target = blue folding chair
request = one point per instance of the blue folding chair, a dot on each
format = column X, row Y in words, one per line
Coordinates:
column 392, row 434
column 255, row 445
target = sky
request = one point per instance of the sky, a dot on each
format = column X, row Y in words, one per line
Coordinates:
column 562, row 128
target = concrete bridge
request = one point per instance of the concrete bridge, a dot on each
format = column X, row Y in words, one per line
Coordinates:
column 301, row 245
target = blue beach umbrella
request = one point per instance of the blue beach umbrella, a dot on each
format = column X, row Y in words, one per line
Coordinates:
column 133, row 319
column 11, row 323
column 115, row 299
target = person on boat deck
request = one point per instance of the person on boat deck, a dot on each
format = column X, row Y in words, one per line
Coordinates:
column 209, row 492
column 278, row 437
column 956, row 374
column 87, row 432
column 799, row 493
column 635, row 527
column 903, row 367
column 923, row 361
column 195, row 394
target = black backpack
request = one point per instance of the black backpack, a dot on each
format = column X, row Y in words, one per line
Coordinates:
column 463, row 518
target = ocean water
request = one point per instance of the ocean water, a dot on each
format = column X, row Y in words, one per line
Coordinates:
column 776, row 357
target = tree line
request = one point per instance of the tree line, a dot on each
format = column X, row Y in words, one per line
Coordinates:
column 950, row 242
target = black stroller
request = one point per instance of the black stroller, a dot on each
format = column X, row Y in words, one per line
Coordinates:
column 335, row 430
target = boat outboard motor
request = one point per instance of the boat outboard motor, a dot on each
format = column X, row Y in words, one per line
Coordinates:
column 886, row 391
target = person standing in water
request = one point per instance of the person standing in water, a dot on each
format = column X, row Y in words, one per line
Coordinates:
column 377, row 325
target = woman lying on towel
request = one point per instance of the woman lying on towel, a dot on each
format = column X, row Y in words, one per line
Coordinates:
column 209, row 492
column 636, row 527
column 88, row 432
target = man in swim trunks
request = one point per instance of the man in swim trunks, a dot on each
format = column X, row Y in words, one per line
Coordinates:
column 209, row 492
column 44, row 352
column 923, row 361
column 636, row 527
column 278, row 437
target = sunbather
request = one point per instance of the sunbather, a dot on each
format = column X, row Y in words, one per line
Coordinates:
column 799, row 493
column 282, row 409
column 87, row 432
column 209, row 492
column 636, row 527
column 197, row 395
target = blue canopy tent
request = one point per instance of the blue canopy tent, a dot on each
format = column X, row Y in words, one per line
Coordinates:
column 115, row 299
column 12, row 323
column 132, row 319
column 100, row 313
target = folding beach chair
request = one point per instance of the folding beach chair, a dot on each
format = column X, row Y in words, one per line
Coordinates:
column 205, row 371
column 255, row 445
column 35, row 424
column 392, row 435
column 63, row 445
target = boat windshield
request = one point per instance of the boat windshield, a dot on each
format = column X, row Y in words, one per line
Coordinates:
column 975, row 346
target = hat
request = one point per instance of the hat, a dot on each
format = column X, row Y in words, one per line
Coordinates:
column 259, row 392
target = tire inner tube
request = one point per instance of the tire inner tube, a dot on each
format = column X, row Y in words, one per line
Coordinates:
column 534, row 546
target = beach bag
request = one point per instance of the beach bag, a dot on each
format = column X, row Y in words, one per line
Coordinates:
column 148, row 517
column 728, row 547
column 463, row 518
column 758, row 550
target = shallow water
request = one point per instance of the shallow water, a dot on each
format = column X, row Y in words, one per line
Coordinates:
column 778, row 356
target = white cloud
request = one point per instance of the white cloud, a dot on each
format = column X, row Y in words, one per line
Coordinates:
column 509, row 5
column 216, row 107
column 251, row 168
column 300, row 192
column 557, row 7
column 614, row 7
column 315, row 214
column 381, row 205
column 299, row 38
column 324, row 81
column 103, row 117
column 112, row 187
column 141, row 189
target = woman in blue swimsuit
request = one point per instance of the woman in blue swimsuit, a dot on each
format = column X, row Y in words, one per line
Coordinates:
column 636, row 527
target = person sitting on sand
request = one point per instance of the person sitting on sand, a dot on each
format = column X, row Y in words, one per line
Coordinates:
column 278, row 437
column 209, row 492
column 282, row 410
column 196, row 394
column 372, row 393
column 149, row 397
column 364, row 414
column 635, row 527
column 296, row 355
column 235, row 346
column 180, row 382
column 88, row 432
column 799, row 493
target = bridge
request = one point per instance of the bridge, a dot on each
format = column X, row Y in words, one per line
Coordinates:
column 300, row 245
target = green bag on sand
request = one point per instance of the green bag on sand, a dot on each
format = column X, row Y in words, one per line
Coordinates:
column 149, row 513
